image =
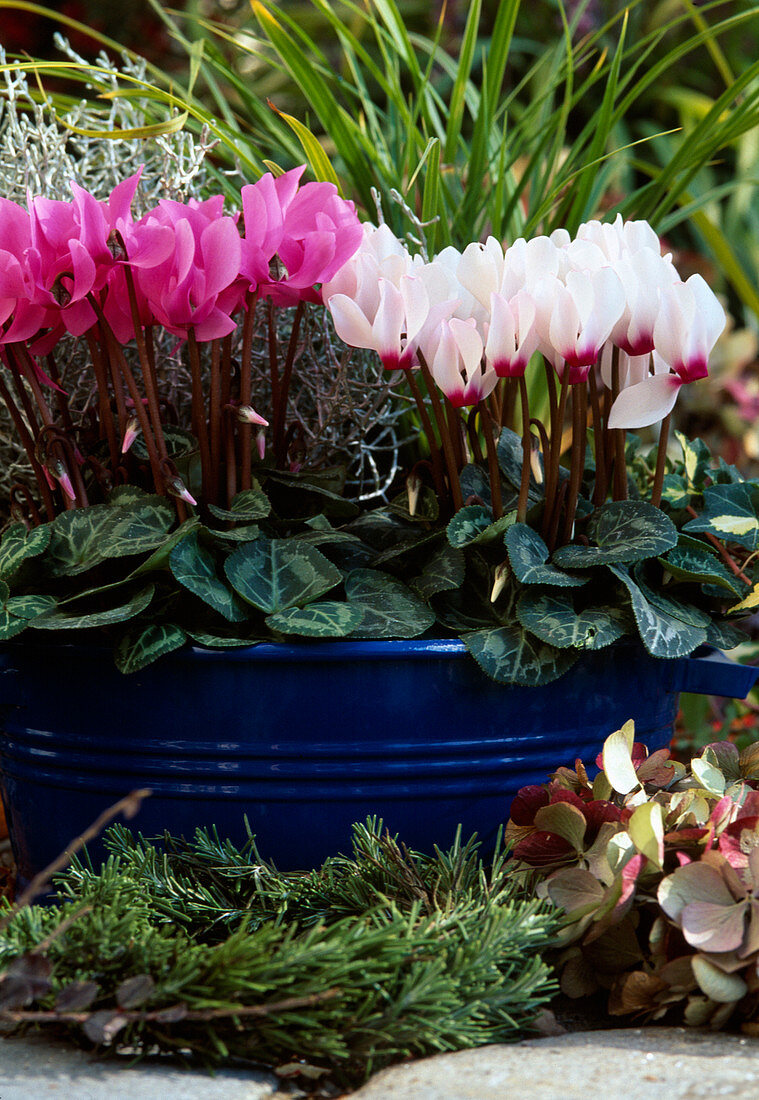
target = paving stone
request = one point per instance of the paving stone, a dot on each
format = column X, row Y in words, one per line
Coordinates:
column 624, row 1064
column 33, row 1068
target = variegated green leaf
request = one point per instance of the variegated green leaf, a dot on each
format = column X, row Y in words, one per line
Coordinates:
column 700, row 567
column 390, row 609
column 625, row 531
column 663, row 634
column 247, row 505
column 445, row 570
column 321, row 619
column 275, row 574
column 140, row 647
column 194, row 567
column 475, row 524
column 731, row 512
column 511, row 656
column 18, row 544
column 528, row 555
column 84, row 537
column 60, row 620
column 551, row 616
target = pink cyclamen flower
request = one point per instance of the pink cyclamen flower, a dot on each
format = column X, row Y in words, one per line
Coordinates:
column 70, row 255
column 512, row 336
column 310, row 230
column 575, row 319
column 687, row 327
column 192, row 286
column 457, row 363
column 392, row 329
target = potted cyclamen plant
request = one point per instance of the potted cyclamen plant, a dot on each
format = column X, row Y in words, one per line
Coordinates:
column 314, row 663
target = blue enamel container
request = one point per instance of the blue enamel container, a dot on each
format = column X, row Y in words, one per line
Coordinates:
column 306, row 739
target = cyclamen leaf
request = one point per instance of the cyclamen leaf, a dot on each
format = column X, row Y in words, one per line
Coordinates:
column 700, row 567
column 663, row 634
column 29, row 607
column 194, row 567
column 247, row 505
column 275, row 574
column 60, row 620
column 625, row 531
column 390, row 609
column 511, row 656
column 510, row 454
column 528, row 555
column 552, row 617
column 138, row 648
column 445, row 570
column 18, row 544
column 322, row 619
column 730, row 513
column 84, row 537
column 475, row 524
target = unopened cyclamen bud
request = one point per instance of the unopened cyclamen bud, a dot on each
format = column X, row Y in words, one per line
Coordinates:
column 261, row 444
column 61, row 474
column 499, row 580
column 130, row 434
column 413, row 486
column 177, row 488
column 248, row 415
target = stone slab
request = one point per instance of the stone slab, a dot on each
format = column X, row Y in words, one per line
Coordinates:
column 33, row 1068
column 625, row 1064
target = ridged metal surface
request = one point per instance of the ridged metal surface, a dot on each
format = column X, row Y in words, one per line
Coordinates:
column 306, row 739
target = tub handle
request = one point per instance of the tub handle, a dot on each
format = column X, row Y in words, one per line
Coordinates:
column 710, row 672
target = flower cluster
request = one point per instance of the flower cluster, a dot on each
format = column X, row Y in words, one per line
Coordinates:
column 479, row 315
column 657, row 869
column 89, row 269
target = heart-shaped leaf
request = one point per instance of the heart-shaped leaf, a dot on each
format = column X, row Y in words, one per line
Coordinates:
column 528, row 555
column 663, row 634
column 509, row 655
column 389, row 609
column 62, row 620
column 552, row 617
column 275, row 574
column 247, row 505
column 321, row 619
column 84, row 537
column 138, row 648
column 700, row 567
column 475, row 524
column 625, row 531
column 18, row 544
column 445, row 570
column 195, row 568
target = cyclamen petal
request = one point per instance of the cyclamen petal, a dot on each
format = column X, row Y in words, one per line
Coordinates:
column 646, row 402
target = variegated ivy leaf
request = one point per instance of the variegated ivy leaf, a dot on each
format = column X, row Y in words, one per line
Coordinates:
column 552, row 617
column 475, row 524
column 625, row 531
column 528, row 555
column 731, row 513
column 63, row 620
column 194, row 567
column 662, row 632
column 390, row 609
column 321, row 619
column 696, row 461
column 18, row 544
column 272, row 574
column 84, row 537
column 511, row 656
column 138, row 648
